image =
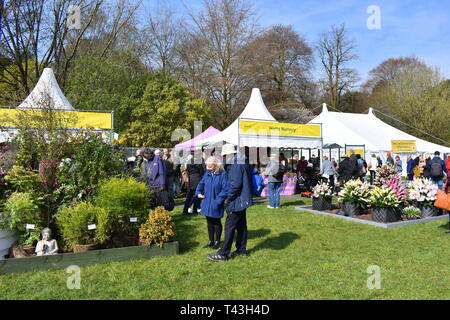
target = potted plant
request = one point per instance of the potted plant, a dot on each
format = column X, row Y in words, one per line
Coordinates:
column 322, row 196
column 384, row 203
column 158, row 229
column 84, row 226
column 412, row 213
column 354, row 197
column 22, row 215
column 422, row 193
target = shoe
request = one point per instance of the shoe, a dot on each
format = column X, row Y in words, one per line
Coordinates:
column 240, row 254
column 190, row 210
column 199, row 210
column 208, row 245
column 216, row 245
column 217, row 257
column 270, row 207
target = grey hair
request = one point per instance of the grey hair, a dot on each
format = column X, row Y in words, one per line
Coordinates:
column 214, row 161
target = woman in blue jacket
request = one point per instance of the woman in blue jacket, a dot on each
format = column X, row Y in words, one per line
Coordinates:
column 213, row 189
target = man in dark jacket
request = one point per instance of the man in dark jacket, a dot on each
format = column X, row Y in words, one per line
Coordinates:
column 347, row 170
column 238, row 200
column 195, row 174
column 437, row 170
column 410, row 164
column 155, row 172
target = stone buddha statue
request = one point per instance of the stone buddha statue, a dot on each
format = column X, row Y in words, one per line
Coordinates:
column 47, row 246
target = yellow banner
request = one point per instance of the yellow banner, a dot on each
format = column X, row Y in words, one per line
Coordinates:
column 404, row 146
column 357, row 151
column 69, row 119
column 279, row 128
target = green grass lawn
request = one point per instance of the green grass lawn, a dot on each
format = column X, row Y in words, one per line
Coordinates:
column 293, row 255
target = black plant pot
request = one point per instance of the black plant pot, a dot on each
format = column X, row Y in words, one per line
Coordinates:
column 321, row 204
column 351, row 209
column 384, row 214
column 428, row 210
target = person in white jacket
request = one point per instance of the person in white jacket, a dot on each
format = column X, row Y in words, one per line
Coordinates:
column 373, row 164
column 327, row 171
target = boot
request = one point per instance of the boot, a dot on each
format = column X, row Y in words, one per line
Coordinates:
column 208, row 245
column 216, row 245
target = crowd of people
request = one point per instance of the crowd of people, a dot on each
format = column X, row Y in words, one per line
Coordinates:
column 213, row 185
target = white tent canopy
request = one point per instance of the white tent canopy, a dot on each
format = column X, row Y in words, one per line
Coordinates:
column 257, row 110
column 46, row 88
column 366, row 129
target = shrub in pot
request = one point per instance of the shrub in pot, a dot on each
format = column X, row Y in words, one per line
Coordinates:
column 384, row 203
column 21, row 210
column 422, row 193
column 354, row 196
column 158, row 229
column 124, row 198
column 322, row 196
column 73, row 223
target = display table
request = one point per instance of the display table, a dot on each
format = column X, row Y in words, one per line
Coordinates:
column 288, row 186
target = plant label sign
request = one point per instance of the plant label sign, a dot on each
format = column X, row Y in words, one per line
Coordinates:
column 133, row 219
column 30, row 226
column 92, row 227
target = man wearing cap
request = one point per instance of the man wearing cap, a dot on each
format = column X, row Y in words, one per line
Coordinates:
column 238, row 200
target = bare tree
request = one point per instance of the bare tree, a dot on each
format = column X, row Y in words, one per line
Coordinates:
column 335, row 52
column 217, row 39
column 282, row 64
column 36, row 34
column 389, row 70
column 162, row 33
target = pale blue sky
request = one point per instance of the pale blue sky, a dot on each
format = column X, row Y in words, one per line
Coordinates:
column 408, row 27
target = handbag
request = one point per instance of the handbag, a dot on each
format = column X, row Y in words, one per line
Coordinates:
column 442, row 201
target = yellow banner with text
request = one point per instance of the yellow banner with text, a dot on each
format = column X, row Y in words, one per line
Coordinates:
column 279, row 128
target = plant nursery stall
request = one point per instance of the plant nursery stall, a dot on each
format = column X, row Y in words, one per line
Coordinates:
column 47, row 95
column 256, row 131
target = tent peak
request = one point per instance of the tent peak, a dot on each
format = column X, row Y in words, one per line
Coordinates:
column 255, row 108
column 324, row 107
column 46, row 91
column 370, row 113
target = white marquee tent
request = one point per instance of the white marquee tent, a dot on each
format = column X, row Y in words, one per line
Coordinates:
column 366, row 129
column 257, row 110
column 46, row 88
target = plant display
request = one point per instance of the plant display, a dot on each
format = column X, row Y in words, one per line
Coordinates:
column 395, row 183
column 158, row 229
column 412, row 212
column 322, row 190
column 384, row 197
column 124, row 198
column 422, row 191
column 356, row 192
column 20, row 210
column 23, row 179
column 73, row 224
column 384, row 174
column 92, row 161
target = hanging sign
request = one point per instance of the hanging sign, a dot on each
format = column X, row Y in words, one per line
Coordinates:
column 279, row 128
column 404, row 146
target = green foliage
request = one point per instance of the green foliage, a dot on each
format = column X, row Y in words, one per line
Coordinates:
column 419, row 98
column 166, row 105
column 23, row 179
column 20, row 210
column 73, row 224
column 102, row 83
column 92, row 161
column 158, row 229
column 124, row 198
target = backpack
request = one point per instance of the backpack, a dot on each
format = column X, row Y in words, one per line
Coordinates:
column 257, row 184
column 281, row 170
column 436, row 169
